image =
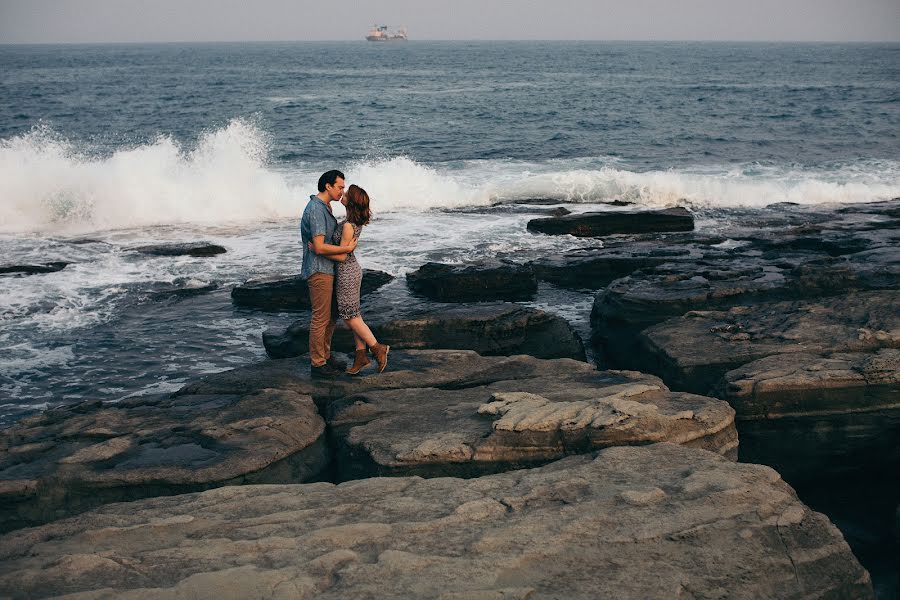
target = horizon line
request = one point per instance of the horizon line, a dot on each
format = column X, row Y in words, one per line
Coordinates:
column 360, row 40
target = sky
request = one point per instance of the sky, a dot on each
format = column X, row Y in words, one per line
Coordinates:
column 78, row 21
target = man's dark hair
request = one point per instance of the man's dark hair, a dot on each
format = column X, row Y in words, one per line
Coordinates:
column 329, row 177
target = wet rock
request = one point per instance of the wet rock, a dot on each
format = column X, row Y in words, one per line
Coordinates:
column 632, row 303
column 517, row 423
column 281, row 293
column 594, row 268
column 34, row 269
column 605, row 223
column 182, row 289
column 69, row 460
column 479, row 282
column 181, row 249
column 489, row 329
column 695, row 351
column 657, row 522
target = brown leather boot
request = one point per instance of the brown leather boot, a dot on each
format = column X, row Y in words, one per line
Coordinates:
column 380, row 352
column 360, row 360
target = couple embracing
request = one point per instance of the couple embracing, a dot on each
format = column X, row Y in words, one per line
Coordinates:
column 334, row 276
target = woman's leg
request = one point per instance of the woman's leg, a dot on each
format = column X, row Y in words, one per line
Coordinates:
column 361, row 332
column 360, row 344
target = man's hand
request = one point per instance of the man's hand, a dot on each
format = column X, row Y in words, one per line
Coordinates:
column 311, row 247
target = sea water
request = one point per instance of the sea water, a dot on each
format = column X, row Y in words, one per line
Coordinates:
column 104, row 147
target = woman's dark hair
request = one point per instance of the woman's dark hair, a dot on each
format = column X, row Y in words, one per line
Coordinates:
column 358, row 211
column 328, row 178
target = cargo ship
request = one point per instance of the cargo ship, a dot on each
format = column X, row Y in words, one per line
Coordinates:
column 381, row 33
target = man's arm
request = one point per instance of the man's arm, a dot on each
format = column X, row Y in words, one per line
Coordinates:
column 347, row 241
column 322, row 249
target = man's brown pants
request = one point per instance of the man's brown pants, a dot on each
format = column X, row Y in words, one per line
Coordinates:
column 324, row 317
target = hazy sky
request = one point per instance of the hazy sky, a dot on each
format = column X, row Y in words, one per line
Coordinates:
column 237, row 20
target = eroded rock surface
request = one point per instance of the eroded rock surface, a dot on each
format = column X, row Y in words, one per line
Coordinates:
column 633, row 303
column 513, row 423
column 490, row 329
column 808, row 414
column 659, row 521
column 695, row 351
column 71, row 459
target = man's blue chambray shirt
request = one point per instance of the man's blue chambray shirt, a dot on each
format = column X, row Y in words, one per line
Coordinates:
column 317, row 220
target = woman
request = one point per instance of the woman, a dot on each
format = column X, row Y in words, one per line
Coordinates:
column 349, row 277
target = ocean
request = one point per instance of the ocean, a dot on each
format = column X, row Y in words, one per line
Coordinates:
column 104, row 147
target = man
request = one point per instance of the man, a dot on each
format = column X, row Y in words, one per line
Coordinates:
column 317, row 227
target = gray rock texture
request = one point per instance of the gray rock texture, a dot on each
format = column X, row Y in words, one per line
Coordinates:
column 695, row 351
column 490, row 329
column 518, row 422
column 71, row 459
column 595, row 268
column 661, row 521
column 808, row 414
column 634, row 303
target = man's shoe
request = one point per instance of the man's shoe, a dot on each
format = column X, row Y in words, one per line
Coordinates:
column 326, row 371
column 380, row 352
column 336, row 363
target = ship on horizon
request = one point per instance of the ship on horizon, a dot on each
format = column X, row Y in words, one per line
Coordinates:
column 381, row 33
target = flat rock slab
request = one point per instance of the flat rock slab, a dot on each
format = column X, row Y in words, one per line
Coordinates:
column 810, row 414
column 594, row 268
column 633, row 303
column 490, row 329
column 71, row 459
column 444, row 369
column 516, row 423
column 477, row 282
column 695, row 351
column 181, row 249
column 803, row 384
column 33, row 269
column 609, row 222
column 660, row 521
column 279, row 293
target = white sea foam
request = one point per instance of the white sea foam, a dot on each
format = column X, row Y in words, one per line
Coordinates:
column 48, row 185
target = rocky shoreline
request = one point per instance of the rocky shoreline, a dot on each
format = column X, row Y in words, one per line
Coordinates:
column 492, row 460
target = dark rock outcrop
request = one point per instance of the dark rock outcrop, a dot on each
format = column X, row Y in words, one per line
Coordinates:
column 68, row 460
column 633, row 303
column 659, row 521
column 489, row 329
column 280, row 293
column 181, row 249
column 594, row 268
column 33, row 269
column 605, row 223
column 479, row 282
column 695, row 351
